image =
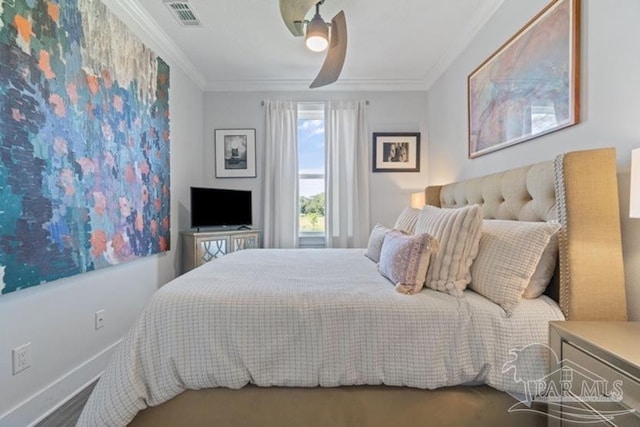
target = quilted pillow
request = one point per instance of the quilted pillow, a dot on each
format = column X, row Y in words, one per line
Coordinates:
column 375, row 242
column 404, row 259
column 458, row 231
column 407, row 220
column 508, row 256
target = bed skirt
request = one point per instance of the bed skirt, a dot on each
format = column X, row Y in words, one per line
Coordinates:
column 343, row 406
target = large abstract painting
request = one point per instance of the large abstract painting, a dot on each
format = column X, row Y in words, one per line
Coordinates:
column 529, row 87
column 84, row 142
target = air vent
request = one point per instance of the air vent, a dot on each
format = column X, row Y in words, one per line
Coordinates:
column 183, row 12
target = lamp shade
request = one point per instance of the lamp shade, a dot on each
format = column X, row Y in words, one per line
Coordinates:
column 417, row 200
column 317, row 38
column 634, row 196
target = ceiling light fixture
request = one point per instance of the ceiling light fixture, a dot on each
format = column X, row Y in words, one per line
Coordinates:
column 317, row 38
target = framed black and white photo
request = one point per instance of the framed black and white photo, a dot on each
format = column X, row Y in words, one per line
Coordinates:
column 235, row 153
column 396, row 152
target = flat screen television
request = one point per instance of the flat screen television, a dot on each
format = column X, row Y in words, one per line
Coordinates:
column 217, row 207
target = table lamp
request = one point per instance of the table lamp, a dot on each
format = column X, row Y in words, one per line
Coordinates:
column 418, row 200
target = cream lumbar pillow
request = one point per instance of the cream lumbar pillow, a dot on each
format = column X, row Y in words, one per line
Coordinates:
column 376, row 238
column 458, row 231
column 544, row 271
column 404, row 259
column 509, row 254
column 407, row 220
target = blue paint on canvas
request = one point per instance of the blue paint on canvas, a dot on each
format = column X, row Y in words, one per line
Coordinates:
column 84, row 142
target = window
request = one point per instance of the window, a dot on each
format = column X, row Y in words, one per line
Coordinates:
column 311, row 174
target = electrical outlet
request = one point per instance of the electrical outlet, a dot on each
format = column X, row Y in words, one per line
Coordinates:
column 21, row 358
column 99, row 319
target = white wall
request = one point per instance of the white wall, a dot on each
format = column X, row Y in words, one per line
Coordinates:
column 58, row 317
column 610, row 107
column 389, row 111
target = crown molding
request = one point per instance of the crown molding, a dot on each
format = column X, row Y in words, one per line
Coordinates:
column 343, row 85
column 460, row 43
column 168, row 49
column 161, row 42
column 453, row 51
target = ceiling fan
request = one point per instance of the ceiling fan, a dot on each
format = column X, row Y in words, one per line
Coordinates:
column 318, row 36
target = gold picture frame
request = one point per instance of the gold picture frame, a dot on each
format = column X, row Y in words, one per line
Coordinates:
column 529, row 87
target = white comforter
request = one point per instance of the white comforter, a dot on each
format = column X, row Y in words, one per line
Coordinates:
column 308, row 318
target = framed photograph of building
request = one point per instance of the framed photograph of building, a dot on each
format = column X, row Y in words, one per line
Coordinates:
column 235, row 152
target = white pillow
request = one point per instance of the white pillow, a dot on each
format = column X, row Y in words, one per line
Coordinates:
column 376, row 238
column 458, row 231
column 544, row 271
column 508, row 256
column 407, row 220
column 404, row 259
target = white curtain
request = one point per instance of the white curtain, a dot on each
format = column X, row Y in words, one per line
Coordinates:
column 347, row 177
column 280, row 229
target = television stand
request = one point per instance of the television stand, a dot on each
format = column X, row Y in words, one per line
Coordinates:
column 199, row 247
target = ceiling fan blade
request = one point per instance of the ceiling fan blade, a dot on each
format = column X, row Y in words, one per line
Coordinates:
column 336, row 53
column 293, row 13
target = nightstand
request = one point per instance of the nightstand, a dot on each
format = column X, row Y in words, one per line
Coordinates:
column 596, row 374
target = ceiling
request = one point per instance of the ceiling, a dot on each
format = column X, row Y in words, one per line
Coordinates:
column 245, row 45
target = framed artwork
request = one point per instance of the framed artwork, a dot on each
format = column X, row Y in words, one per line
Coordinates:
column 396, row 152
column 529, row 86
column 235, row 152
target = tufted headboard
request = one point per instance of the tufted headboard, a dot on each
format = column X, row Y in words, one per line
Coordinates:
column 578, row 189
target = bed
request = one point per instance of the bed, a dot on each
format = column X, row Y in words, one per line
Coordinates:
column 166, row 373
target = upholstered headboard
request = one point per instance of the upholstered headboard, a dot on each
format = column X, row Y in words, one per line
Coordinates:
column 579, row 190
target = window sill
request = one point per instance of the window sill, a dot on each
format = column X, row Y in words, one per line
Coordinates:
column 311, row 240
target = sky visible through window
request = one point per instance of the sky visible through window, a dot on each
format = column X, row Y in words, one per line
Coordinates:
column 311, row 155
column 311, row 170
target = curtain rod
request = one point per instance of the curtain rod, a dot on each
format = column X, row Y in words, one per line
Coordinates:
column 312, row 102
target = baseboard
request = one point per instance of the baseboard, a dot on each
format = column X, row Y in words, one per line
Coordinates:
column 49, row 399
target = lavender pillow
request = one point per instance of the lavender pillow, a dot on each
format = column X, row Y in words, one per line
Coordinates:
column 404, row 259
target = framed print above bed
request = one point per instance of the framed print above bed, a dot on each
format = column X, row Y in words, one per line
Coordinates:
column 529, row 87
column 396, row 152
column 235, row 152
